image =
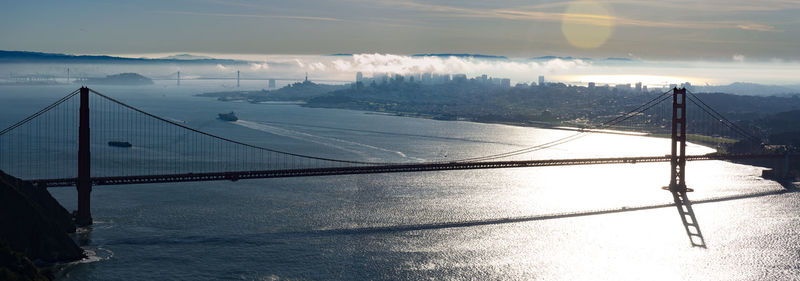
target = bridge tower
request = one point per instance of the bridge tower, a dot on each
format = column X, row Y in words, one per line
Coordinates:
column 83, row 216
column 677, row 180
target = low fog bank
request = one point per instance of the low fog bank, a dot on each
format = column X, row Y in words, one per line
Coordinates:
column 337, row 69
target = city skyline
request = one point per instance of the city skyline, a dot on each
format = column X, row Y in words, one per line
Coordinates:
column 344, row 67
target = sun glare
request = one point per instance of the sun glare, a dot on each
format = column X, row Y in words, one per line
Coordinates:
column 587, row 24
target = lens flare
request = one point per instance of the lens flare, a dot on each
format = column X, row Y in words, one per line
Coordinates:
column 587, row 24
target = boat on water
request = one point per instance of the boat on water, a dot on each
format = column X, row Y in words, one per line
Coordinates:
column 119, row 144
column 231, row 117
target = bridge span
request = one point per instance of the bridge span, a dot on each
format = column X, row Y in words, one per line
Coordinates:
column 377, row 169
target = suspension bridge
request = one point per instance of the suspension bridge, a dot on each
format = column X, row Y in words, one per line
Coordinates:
column 72, row 142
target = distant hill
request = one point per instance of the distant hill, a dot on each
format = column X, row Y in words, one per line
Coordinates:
column 119, row 79
column 780, row 127
column 557, row 57
column 478, row 56
column 37, row 57
column 187, row 57
column 300, row 91
column 619, row 59
column 610, row 59
column 748, row 89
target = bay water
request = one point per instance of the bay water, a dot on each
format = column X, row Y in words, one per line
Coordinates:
column 496, row 224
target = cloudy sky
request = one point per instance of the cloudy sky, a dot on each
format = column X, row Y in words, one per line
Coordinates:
column 657, row 30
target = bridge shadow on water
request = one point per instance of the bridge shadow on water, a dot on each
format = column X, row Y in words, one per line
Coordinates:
column 688, row 218
column 690, row 222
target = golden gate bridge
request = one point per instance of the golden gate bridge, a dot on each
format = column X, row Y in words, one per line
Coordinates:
column 66, row 144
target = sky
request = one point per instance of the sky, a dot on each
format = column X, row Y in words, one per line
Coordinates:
column 710, row 30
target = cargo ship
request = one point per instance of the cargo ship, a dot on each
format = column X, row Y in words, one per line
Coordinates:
column 119, row 144
column 228, row 117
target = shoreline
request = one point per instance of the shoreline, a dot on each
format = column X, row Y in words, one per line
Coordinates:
column 523, row 124
column 696, row 140
column 528, row 124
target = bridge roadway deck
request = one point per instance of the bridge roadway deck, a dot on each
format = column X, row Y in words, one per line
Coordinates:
column 395, row 168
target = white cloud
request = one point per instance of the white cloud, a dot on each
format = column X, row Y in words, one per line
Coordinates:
column 259, row 66
column 739, row 67
column 756, row 27
column 388, row 63
column 250, row 16
column 317, row 66
column 342, row 65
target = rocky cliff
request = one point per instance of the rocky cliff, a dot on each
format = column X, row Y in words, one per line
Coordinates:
column 16, row 267
column 34, row 224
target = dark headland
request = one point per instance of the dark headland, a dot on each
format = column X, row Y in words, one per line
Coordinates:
column 34, row 230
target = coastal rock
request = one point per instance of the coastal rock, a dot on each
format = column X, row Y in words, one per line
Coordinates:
column 33, row 223
column 15, row 266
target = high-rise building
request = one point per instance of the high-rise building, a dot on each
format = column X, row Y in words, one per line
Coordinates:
column 459, row 77
column 541, row 80
column 505, row 82
column 638, row 87
column 623, row 87
column 359, row 76
column 426, row 77
column 591, row 85
column 380, row 77
column 272, row 83
column 414, row 77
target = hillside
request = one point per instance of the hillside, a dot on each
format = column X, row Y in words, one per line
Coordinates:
column 301, row 91
column 38, row 57
column 118, row 79
column 34, row 224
